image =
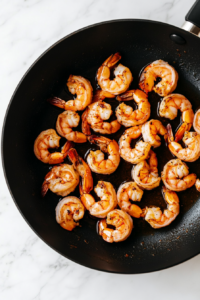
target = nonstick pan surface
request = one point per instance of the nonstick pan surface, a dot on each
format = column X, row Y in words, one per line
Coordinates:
column 81, row 53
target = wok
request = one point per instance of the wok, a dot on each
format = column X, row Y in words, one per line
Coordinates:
column 82, row 52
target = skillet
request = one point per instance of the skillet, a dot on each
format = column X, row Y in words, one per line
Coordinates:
column 82, row 52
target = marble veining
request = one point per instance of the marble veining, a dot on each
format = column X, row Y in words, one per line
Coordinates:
column 29, row 269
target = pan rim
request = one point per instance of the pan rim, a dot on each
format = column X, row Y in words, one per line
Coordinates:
column 88, row 264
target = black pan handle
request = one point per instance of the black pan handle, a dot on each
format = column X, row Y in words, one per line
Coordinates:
column 192, row 18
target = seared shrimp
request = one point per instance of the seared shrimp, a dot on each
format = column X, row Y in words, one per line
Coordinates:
column 126, row 191
column 146, row 174
column 106, row 192
column 191, row 140
column 159, row 69
column 123, row 226
column 196, row 122
column 129, row 117
column 79, row 86
column 49, row 139
column 83, row 169
column 96, row 114
column 61, row 180
column 169, row 108
column 68, row 211
column 197, row 185
column 65, row 122
column 96, row 159
column 123, row 76
column 150, row 131
column 141, row 150
column 154, row 215
column 176, row 177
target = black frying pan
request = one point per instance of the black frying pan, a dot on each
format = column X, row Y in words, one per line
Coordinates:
column 139, row 42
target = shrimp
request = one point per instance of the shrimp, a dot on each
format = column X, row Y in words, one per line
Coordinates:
column 197, row 185
column 68, row 211
column 61, row 180
column 196, row 122
column 150, row 131
column 64, row 124
column 126, row 191
column 108, row 201
column 141, row 150
column 102, row 95
column 176, row 177
column 159, row 69
column 154, row 215
column 96, row 113
column 49, row 139
column 123, row 76
column 79, row 86
column 129, row 117
column 123, row 226
column 96, row 160
column 146, row 174
column 192, row 141
column 169, row 108
column 83, row 169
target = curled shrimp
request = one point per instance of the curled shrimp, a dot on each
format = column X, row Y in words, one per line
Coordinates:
column 49, row 139
column 123, row 226
column 150, row 131
column 196, row 122
column 68, row 212
column 123, row 76
column 141, row 150
column 65, row 122
column 176, row 177
column 169, row 109
column 79, row 86
column 146, row 174
column 159, row 69
column 94, row 117
column 61, row 180
column 126, row 191
column 192, row 141
column 96, row 159
column 197, row 185
column 125, row 113
column 154, row 215
column 108, row 202
column 83, row 169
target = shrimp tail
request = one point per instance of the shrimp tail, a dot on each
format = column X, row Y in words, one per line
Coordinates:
column 182, row 129
column 127, row 96
column 57, row 102
column 85, row 125
column 100, row 141
column 112, row 60
column 101, row 95
column 44, row 189
column 67, row 146
column 170, row 137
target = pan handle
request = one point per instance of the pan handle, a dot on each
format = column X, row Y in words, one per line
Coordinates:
column 192, row 18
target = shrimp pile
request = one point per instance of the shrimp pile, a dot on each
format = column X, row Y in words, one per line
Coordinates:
column 117, row 203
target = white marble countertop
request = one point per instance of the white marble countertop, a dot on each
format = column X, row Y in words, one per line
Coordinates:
column 29, row 269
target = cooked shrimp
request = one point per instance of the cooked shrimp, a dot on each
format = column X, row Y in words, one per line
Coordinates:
column 106, row 192
column 141, row 150
column 192, row 142
column 150, row 131
column 146, row 174
column 96, row 114
column 125, row 113
column 123, row 226
column 68, row 211
column 64, row 124
column 159, row 69
column 176, row 177
column 96, row 159
column 49, row 139
column 123, row 76
column 61, row 180
column 79, row 86
column 154, row 215
column 197, row 185
column 126, row 191
column 101, row 95
column 169, row 109
column 83, row 169
column 196, row 122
